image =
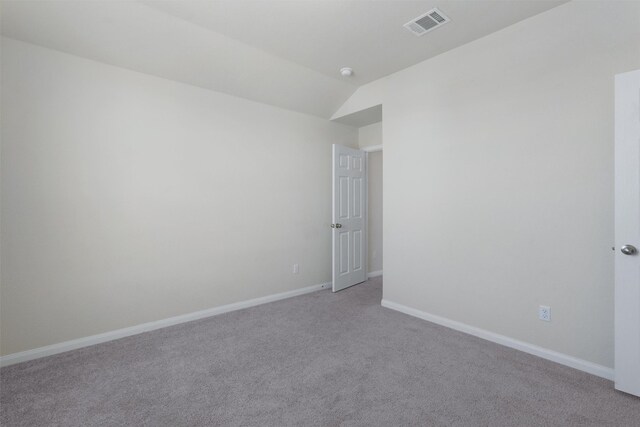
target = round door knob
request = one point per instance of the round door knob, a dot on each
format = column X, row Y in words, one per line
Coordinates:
column 338, row 225
column 629, row 250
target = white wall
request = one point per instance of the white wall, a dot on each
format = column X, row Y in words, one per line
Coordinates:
column 128, row 198
column 374, row 173
column 499, row 177
column 370, row 136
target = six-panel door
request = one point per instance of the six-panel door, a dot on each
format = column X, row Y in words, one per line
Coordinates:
column 349, row 217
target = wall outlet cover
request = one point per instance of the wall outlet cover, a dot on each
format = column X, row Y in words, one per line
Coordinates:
column 544, row 313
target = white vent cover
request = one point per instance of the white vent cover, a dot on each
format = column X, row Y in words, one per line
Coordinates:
column 427, row 22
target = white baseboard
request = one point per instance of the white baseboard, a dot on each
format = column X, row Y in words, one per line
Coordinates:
column 554, row 356
column 374, row 274
column 49, row 350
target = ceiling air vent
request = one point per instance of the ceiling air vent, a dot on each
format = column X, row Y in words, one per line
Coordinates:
column 427, row 22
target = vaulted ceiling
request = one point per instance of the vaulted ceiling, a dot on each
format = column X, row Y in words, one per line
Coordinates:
column 285, row 53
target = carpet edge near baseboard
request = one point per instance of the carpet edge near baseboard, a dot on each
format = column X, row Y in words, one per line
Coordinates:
column 50, row 350
column 554, row 356
column 372, row 274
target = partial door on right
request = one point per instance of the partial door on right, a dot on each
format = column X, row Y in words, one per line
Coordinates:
column 627, row 232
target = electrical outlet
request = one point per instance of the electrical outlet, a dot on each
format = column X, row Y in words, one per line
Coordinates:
column 296, row 269
column 544, row 313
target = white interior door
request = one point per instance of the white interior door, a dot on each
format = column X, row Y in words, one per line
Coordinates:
column 349, row 223
column 627, row 234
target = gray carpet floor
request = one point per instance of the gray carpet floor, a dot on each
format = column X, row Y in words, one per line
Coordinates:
column 320, row 359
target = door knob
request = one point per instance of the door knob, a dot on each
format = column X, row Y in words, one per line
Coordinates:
column 629, row 250
column 336, row 225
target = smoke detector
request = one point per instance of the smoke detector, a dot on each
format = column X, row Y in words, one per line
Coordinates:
column 346, row 72
column 427, row 22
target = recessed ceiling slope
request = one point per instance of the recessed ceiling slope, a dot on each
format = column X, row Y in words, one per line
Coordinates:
column 368, row 35
column 283, row 53
column 140, row 38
